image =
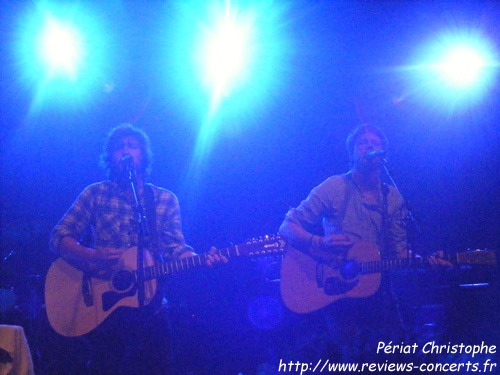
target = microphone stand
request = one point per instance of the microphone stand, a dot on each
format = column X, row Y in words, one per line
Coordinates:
column 410, row 254
column 143, row 237
column 409, row 215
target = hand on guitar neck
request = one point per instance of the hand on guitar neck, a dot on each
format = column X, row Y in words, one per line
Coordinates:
column 213, row 257
column 437, row 260
column 340, row 244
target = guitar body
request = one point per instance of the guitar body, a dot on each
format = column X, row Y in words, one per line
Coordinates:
column 77, row 302
column 309, row 283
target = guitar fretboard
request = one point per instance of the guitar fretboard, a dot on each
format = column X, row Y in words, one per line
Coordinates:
column 478, row 257
column 184, row 264
column 391, row 264
column 267, row 246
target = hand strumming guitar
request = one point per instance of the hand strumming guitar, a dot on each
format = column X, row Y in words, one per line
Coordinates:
column 333, row 243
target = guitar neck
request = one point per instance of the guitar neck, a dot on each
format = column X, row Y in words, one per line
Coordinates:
column 266, row 246
column 477, row 257
column 392, row 264
column 168, row 268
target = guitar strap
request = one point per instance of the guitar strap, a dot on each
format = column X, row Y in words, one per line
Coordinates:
column 385, row 221
column 349, row 189
column 349, row 186
column 321, row 263
column 154, row 243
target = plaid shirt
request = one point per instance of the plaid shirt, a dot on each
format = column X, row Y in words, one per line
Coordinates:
column 103, row 214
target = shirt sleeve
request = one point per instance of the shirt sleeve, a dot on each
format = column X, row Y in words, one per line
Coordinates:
column 75, row 222
column 323, row 201
column 171, row 239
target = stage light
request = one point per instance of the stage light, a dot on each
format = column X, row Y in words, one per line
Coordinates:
column 225, row 58
column 453, row 71
column 462, row 66
column 225, row 55
column 60, row 48
column 63, row 55
column 226, row 49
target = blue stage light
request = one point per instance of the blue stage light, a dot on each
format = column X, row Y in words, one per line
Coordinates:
column 463, row 65
column 60, row 48
column 64, row 56
column 226, row 49
column 455, row 70
column 226, row 58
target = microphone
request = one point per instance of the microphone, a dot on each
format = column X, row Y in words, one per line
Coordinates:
column 127, row 162
column 375, row 154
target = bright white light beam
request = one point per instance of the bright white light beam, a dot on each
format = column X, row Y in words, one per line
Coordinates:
column 462, row 66
column 60, row 48
column 227, row 51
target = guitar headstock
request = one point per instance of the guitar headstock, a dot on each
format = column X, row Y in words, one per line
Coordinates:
column 478, row 257
column 263, row 246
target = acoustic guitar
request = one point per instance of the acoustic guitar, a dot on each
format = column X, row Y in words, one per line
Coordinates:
column 79, row 300
column 309, row 283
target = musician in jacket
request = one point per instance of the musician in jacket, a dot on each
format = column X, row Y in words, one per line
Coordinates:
column 100, row 226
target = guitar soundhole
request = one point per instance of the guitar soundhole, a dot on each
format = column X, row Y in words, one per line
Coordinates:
column 350, row 270
column 123, row 280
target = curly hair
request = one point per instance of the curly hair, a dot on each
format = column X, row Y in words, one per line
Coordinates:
column 115, row 137
column 359, row 131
